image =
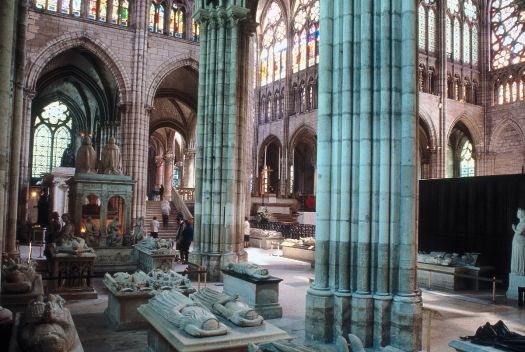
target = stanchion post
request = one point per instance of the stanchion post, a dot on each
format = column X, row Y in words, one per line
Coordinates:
column 493, row 289
column 429, row 279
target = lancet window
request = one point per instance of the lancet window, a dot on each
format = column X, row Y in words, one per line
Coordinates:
column 115, row 12
column 177, row 25
column 305, row 26
column 157, row 12
column 274, row 46
column 51, row 136
column 427, row 25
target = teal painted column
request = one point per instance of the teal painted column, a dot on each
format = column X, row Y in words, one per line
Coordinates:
column 222, row 125
column 366, row 222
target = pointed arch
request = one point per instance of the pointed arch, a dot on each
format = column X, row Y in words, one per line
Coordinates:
column 501, row 127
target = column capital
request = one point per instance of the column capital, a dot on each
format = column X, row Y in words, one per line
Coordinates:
column 189, row 152
column 159, row 160
column 29, row 93
column 168, row 158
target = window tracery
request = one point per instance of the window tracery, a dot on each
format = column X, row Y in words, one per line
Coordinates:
column 508, row 34
column 51, row 136
column 274, row 46
column 177, row 24
column 114, row 12
column 305, row 27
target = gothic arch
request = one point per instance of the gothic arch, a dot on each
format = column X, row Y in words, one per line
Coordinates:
column 184, row 60
column 470, row 124
column 79, row 39
column 262, row 9
column 305, row 133
column 501, row 127
column 427, row 120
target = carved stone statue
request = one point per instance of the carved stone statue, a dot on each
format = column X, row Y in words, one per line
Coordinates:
column 111, row 159
column 17, row 277
column 228, row 307
column 138, row 231
column 249, row 269
column 124, row 282
column 186, row 315
column 517, row 261
column 113, row 233
column 67, row 231
column 47, row 326
column 156, row 245
column 86, row 160
column 92, row 233
column 167, row 280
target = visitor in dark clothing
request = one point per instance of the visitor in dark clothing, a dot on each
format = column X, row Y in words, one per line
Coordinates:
column 185, row 240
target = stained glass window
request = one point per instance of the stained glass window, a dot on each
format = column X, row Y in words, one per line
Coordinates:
column 195, row 31
column 431, row 30
column 422, row 27
column 500, row 94
column 453, row 6
column 51, row 136
column 466, row 163
column 507, row 93
column 457, row 40
column 508, row 33
column 274, row 45
column 77, row 4
column 449, row 37
column 466, row 43
column 156, row 18
column 40, row 4
column 119, row 14
column 102, row 10
column 514, row 91
column 305, row 50
column 92, row 14
column 52, row 5
column 474, row 45
column 177, row 21
column 65, row 7
column 470, row 11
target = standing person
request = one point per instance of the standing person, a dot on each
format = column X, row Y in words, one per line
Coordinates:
column 185, row 242
column 155, row 225
column 165, row 209
column 161, row 192
column 246, row 230
column 180, row 227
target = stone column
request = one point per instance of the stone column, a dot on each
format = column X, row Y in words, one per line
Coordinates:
column 188, row 180
column 367, row 175
column 221, row 135
column 159, row 172
column 168, row 175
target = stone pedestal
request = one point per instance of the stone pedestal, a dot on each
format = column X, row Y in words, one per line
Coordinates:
column 60, row 190
column 442, row 277
column 297, row 253
column 515, row 281
column 265, row 242
column 149, row 260
column 467, row 346
column 71, row 276
column 122, row 307
column 115, row 259
column 22, row 299
column 165, row 337
column 13, row 344
column 261, row 294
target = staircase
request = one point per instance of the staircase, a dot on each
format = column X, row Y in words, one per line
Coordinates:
column 153, row 209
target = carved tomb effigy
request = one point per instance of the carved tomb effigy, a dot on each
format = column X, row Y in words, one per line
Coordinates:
column 20, row 283
column 71, row 266
column 264, row 238
column 46, row 325
column 302, row 249
column 255, row 286
column 154, row 253
column 177, row 323
column 128, row 291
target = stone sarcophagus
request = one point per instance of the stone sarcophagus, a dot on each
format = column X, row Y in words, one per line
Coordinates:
column 20, row 283
column 152, row 253
column 72, row 276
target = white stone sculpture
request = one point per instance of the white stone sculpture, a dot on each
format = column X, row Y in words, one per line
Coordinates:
column 186, row 315
column 229, row 307
column 47, row 326
column 67, row 244
column 167, row 280
column 111, row 159
column 249, row 269
column 517, row 262
column 156, row 245
column 124, row 282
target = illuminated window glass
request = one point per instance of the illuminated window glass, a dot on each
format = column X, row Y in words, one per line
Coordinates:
column 521, row 89
column 457, row 40
column 474, row 45
column 508, row 33
column 159, row 19
column 449, row 37
column 305, row 50
column 40, row 4
column 514, row 91
column 500, row 94
column 152, row 14
column 466, row 43
column 52, row 5
column 470, row 11
column 195, row 31
column 51, row 136
column 422, row 27
column 453, row 6
column 102, row 10
column 273, row 52
column 75, row 8
column 177, row 21
column 466, row 161
column 65, row 7
column 431, row 30
column 92, row 11
column 124, row 13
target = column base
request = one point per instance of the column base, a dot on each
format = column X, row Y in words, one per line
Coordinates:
column 382, row 314
column 214, row 262
column 342, row 313
column 319, row 320
column 406, row 325
column 363, row 317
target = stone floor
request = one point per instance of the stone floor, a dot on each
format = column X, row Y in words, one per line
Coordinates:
column 457, row 314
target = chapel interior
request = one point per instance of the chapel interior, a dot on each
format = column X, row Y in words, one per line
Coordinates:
column 351, row 175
